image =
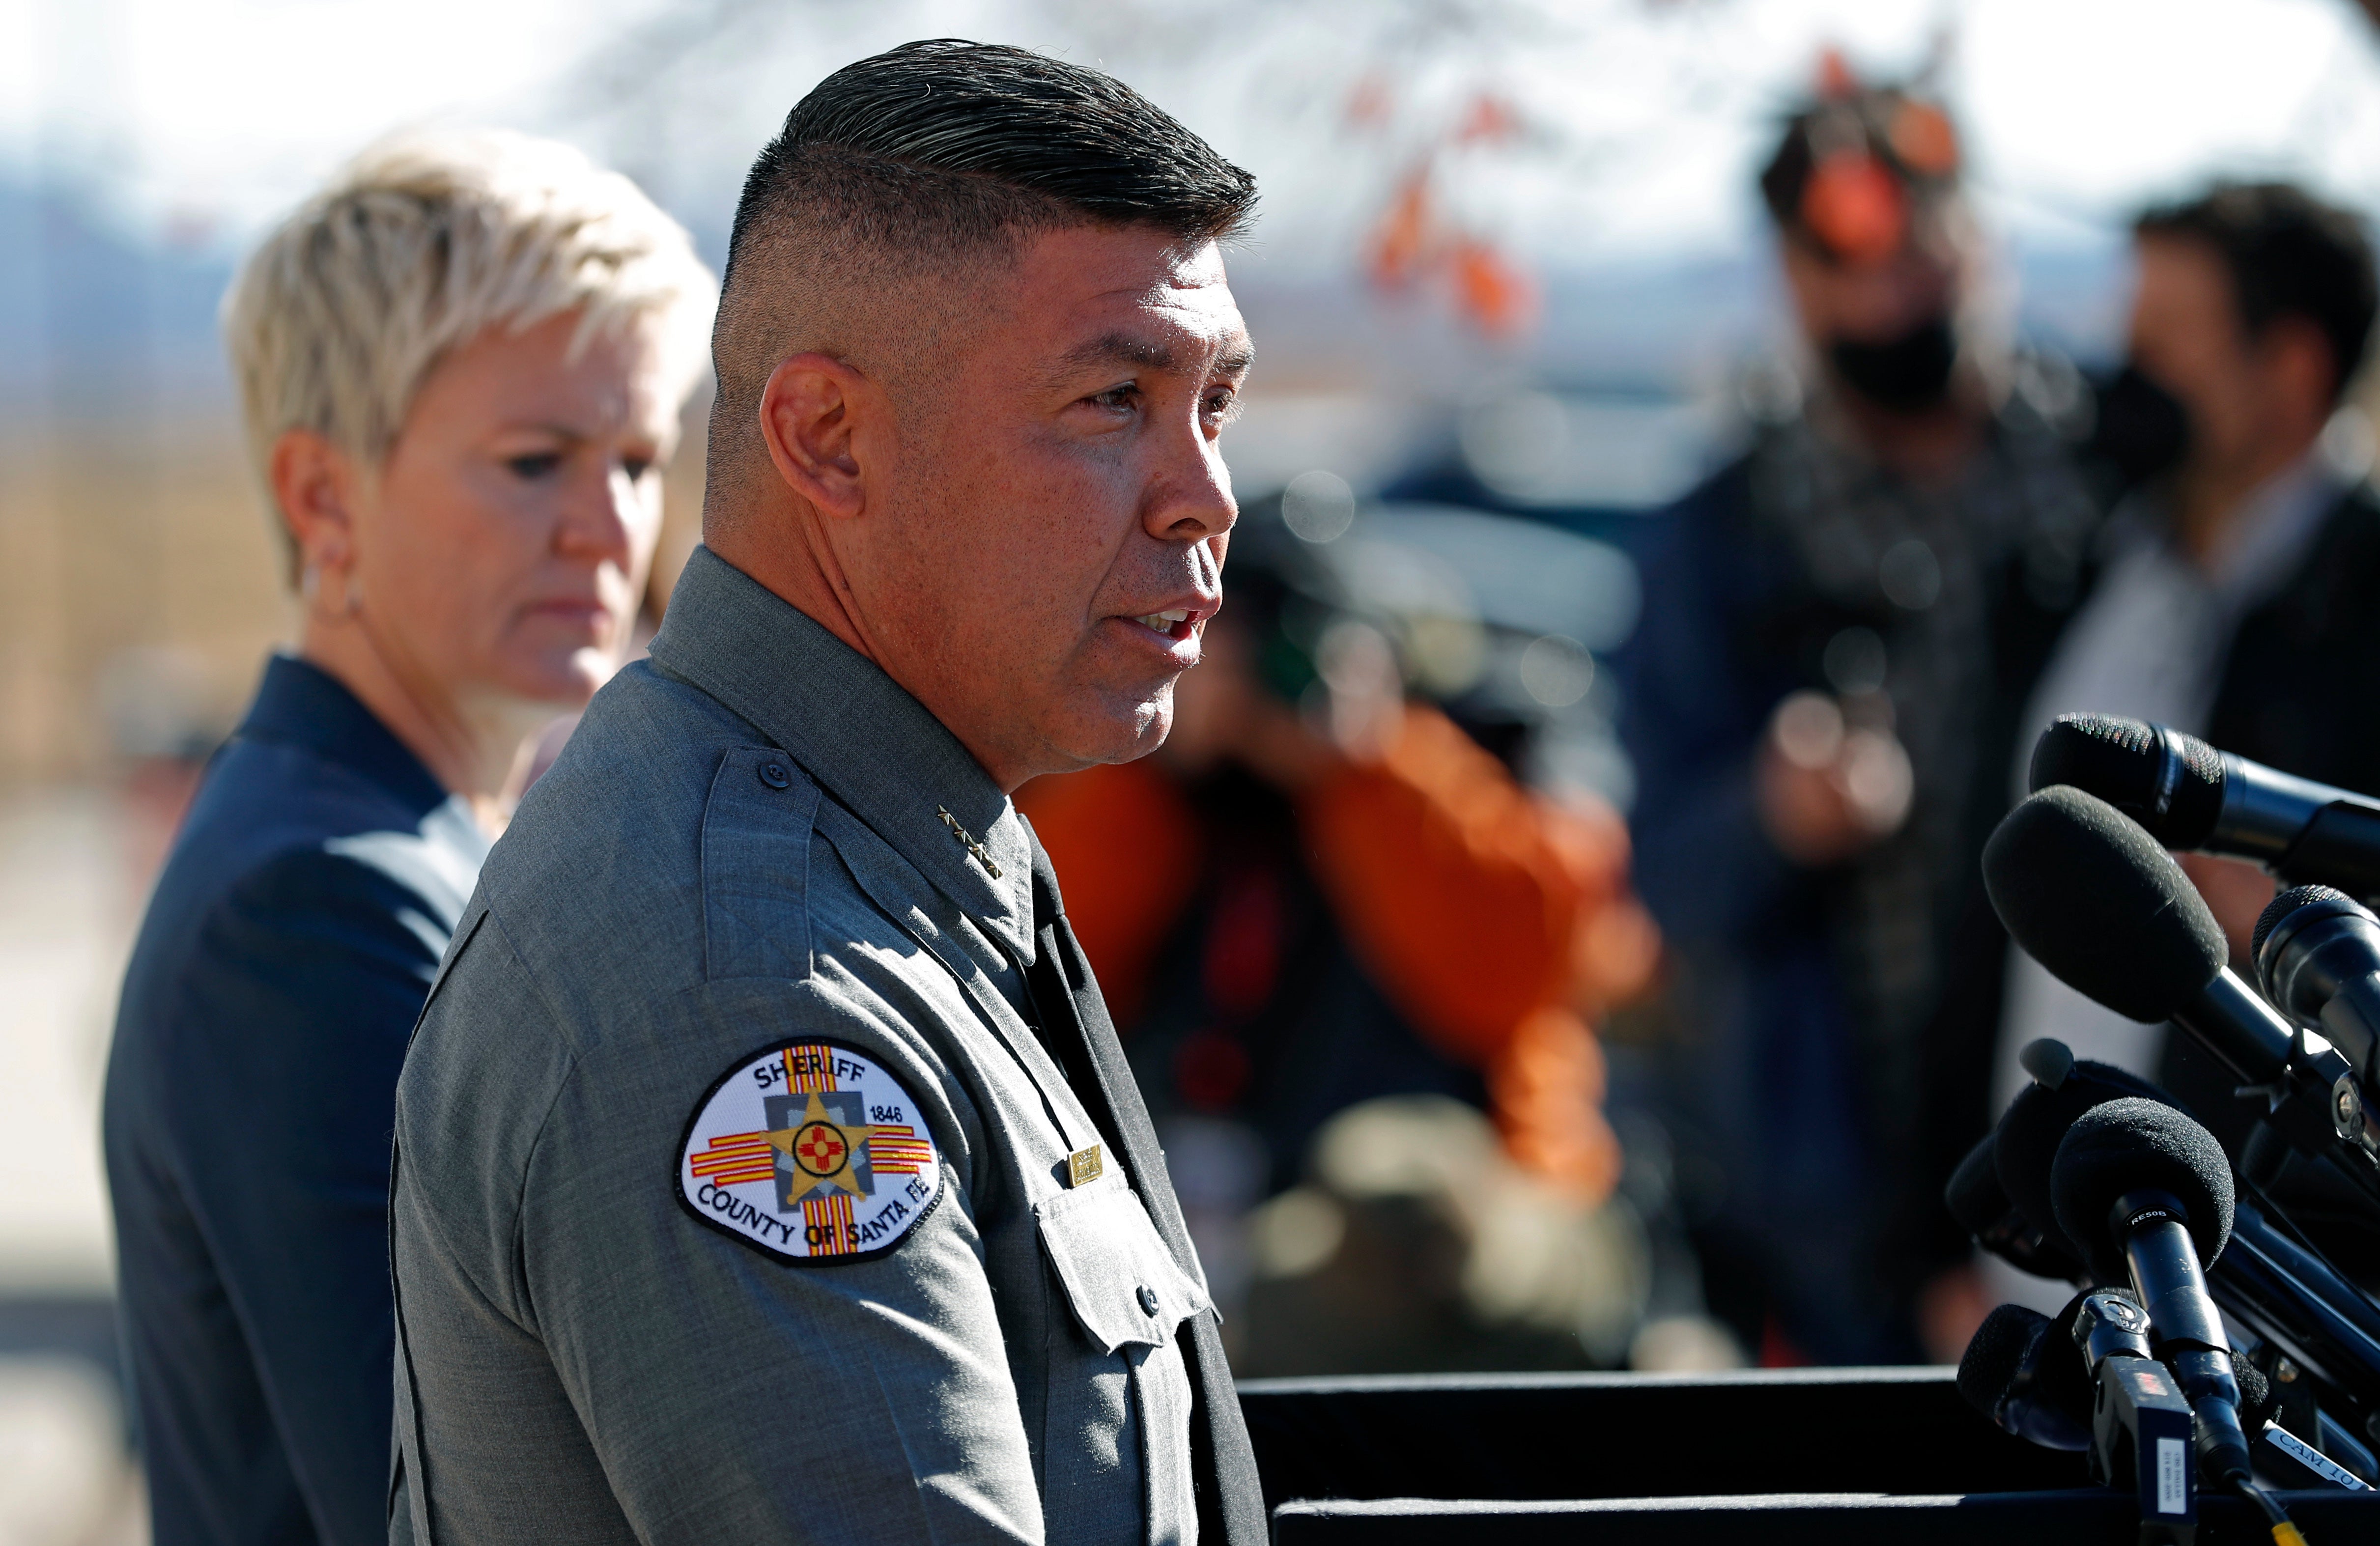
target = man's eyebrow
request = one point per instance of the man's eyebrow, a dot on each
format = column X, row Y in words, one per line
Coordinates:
column 1149, row 353
column 1119, row 348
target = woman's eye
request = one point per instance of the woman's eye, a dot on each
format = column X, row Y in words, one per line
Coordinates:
column 535, row 465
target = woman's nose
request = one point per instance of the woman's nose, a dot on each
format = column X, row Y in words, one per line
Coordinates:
column 602, row 518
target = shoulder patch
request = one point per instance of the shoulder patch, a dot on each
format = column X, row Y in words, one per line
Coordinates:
column 810, row 1153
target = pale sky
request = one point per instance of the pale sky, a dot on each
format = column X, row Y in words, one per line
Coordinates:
column 206, row 116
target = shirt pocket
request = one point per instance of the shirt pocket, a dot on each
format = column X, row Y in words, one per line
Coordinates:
column 1124, row 1284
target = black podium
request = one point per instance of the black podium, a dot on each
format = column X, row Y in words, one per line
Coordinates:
column 1848, row 1456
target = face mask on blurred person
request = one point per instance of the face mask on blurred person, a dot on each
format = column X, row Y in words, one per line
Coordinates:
column 2142, row 431
column 1906, row 374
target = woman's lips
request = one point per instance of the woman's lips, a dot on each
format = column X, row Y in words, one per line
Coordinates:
column 590, row 615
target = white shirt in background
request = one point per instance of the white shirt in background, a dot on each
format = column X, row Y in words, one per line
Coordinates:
column 2150, row 643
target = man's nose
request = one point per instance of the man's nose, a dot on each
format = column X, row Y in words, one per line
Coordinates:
column 1189, row 494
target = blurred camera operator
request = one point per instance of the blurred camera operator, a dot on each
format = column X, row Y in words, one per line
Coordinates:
column 1839, row 630
column 2236, row 596
column 1320, row 892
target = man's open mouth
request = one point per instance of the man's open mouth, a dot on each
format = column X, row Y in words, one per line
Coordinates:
column 1173, row 624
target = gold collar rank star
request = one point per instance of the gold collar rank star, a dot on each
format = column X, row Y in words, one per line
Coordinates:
column 966, row 839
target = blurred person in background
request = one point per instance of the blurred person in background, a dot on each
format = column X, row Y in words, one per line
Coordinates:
column 2236, row 597
column 461, row 366
column 1839, row 628
column 1416, row 1244
column 1321, row 891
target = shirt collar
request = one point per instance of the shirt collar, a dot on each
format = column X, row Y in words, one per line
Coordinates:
column 859, row 733
column 2276, row 525
column 298, row 703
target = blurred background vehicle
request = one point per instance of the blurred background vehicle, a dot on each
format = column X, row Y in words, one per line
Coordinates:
column 1516, row 295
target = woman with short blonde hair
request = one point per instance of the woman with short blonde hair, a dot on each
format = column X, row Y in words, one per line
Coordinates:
column 461, row 365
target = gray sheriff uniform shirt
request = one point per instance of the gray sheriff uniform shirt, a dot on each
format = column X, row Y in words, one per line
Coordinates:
column 739, row 850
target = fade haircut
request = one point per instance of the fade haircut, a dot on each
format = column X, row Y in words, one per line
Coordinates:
column 938, row 161
column 421, row 244
column 2289, row 255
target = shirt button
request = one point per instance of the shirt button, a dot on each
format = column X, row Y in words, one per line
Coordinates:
column 1147, row 1299
column 774, row 774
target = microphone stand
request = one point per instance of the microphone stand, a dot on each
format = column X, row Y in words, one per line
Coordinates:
column 2313, row 1099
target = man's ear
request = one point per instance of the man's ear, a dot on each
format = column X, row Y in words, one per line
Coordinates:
column 811, row 415
column 2300, row 368
column 314, row 486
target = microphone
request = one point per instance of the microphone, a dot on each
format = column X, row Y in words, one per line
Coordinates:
column 2189, row 795
column 1981, row 1204
column 2035, row 1377
column 2094, row 897
column 2105, row 1324
column 2145, row 1193
column 2020, row 1373
column 2026, row 1143
column 2282, row 1291
column 2317, row 954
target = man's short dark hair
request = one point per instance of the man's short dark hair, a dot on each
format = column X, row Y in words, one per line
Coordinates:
column 901, row 178
column 2289, row 255
column 946, row 145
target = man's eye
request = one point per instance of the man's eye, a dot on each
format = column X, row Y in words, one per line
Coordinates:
column 1223, row 405
column 535, row 465
column 636, row 467
column 1120, row 400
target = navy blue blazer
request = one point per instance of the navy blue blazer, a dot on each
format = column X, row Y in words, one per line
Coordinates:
column 251, row 1096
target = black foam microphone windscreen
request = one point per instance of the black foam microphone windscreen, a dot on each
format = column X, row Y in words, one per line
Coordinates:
column 1990, row 1365
column 2259, row 1404
column 2090, row 895
column 2138, row 1145
column 1974, row 1195
column 2170, row 783
column 2025, row 1147
column 1981, row 1204
column 2026, row 1372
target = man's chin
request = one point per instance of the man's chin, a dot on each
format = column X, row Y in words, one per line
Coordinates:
column 1132, row 733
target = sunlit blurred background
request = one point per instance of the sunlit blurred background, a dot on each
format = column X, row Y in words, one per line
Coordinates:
column 1511, row 288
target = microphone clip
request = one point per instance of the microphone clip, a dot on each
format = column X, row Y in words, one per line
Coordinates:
column 2143, row 1441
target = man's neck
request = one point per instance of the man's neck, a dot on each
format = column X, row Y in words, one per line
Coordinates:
column 479, row 753
column 787, row 553
column 786, row 557
column 2209, row 503
column 1932, row 446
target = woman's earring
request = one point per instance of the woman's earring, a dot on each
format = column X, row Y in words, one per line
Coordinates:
column 310, row 586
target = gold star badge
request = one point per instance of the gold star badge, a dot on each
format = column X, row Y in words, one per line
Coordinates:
column 822, row 1151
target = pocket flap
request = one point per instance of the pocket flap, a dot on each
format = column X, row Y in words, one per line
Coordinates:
column 1125, row 1285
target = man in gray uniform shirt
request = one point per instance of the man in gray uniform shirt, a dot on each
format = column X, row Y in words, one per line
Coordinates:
column 767, row 1167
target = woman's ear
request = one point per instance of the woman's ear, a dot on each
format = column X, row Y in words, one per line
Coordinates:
column 314, row 487
column 811, row 413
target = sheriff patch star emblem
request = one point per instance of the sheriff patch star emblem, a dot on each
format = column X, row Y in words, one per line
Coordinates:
column 811, row 1152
